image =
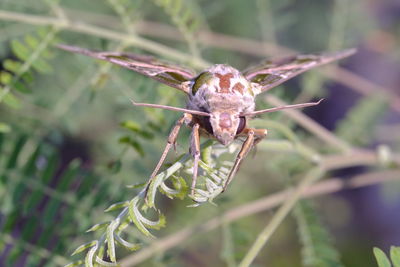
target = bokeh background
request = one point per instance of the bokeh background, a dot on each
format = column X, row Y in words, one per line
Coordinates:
column 70, row 140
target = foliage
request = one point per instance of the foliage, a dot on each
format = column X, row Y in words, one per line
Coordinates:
column 318, row 249
column 70, row 142
column 360, row 122
column 37, row 181
column 383, row 260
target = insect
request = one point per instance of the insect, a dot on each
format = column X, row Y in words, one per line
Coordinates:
column 220, row 99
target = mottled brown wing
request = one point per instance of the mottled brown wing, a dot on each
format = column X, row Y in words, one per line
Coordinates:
column 167, row 74
column 273, row 73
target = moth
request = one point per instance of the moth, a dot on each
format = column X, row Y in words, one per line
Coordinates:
column 220, row 99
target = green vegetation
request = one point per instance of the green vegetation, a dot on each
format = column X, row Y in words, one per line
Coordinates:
column 71, row 143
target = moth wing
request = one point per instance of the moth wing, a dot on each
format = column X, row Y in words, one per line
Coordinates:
column 274, row 72
column 170, row 75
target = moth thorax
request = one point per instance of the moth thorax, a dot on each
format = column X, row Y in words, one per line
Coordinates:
column 222, row 79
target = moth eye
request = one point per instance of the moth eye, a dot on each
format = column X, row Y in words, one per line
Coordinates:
column 242, row 125
column 200, row 80
column 207, row 125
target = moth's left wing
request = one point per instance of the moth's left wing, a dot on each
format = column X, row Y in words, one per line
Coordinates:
column 273, row 73
column 170, row 75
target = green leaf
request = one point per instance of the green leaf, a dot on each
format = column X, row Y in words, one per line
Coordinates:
column 126, row 244
column 33, row 42
column 138, row 185
column 98, row 226
column 5, row 77
column 69, row 175
column 131, row 125
column 117, row 206
column 27, row 77
column 21, row 87
column 179, row 190
column 136, row 128
column 133, row 143
column 4, row 128
column 41, row 66
column 50, row 169
column 84, row 247
column 360, row 122
column 135, row 215
column 12, row 65
column 105, row 263
column 13, row 158
column 114, row 166
column 90, row 255
column 317, row 247
column 110, row 240
column 10, row 100
column 395, row 256
column 75, row 263
column 381, row 258
column 20, row 50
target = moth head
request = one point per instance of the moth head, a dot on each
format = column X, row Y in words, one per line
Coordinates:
column 224, row 126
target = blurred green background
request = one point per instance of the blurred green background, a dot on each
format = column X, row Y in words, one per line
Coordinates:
column 70, row 141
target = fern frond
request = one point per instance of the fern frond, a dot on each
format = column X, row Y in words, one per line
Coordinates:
column 187, row 17
column 33, row 55
column 37, row 193
column 359, row 124
column 318, row 249
column 124, row 9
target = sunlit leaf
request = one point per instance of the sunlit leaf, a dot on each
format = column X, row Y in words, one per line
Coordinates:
column 117, row 206
column 126, row 244
column 381, row 258
column 12, row 65
column 106, row 263
column 84, row 247
column 20, row 50
column 98, row 226
column 5, row 77
column 133, row 143
column 75, row 263
column 138, row 185
column 11, row 101
column 395, row 256
column 110, row 240
column 4, row 128
column 135, row 215
column 90, row 255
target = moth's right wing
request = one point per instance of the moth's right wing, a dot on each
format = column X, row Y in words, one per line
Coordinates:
column 274, row 72
column 165, row 73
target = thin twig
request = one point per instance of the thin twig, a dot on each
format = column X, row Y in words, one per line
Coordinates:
column 328, row 186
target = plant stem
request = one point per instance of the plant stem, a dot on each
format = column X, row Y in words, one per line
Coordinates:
column 283, row 211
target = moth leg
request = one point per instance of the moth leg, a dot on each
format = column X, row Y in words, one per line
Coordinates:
column 254, row 136
column 195, row 151
column 170, row 142
column 259, row 135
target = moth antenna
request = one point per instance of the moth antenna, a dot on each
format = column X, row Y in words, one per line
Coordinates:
column 303, row 105
column 195, row 112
